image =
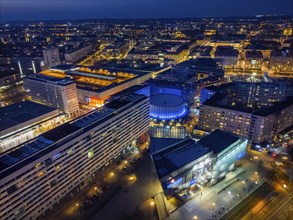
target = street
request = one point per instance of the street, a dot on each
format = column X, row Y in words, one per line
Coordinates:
column 247, row 204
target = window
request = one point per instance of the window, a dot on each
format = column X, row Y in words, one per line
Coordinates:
column 53, row 183
column 12, row 189
column 48, row 161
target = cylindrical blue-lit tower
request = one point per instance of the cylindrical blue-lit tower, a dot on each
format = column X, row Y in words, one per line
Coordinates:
column 167, row 107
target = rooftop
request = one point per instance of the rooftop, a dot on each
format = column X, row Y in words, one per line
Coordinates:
column 177, row 155
column 21, row 112
column 218, row 99
column 50, row 79
column 158, row 144
column 218, row 141
column 166, row 100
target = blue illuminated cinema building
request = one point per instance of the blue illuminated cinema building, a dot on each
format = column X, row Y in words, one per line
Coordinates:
column 167, row 107
column 191, row 165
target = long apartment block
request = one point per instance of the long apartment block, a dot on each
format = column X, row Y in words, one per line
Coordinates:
column 37, row 174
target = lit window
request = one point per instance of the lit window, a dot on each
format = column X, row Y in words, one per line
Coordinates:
column 42, row 173
column 38, row 164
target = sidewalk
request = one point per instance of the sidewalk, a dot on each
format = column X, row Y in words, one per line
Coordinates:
column 214, row 202
column 70, row 206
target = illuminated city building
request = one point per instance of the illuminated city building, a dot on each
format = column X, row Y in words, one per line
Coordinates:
column 201, row 52
column 96, row 85
column 67, row 158
column 9, row 78
column 257, row 111
column 253, row 59
column 186, row 164
column 23, row 121
column 228, row 54
column 160, row 51
column 167, row 107
column 281, row 61
column 187, row 78
column 54, row 92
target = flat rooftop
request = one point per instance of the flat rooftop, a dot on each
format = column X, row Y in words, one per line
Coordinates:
column 21, row 112
column 178, row 155
column 94, row 79
column 166, row 100
column 175, row 153
column 51, row 79
column 218, row 141
column 158, row 144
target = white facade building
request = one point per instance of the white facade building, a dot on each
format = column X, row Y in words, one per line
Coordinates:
column 41, row 172
column 54, row 92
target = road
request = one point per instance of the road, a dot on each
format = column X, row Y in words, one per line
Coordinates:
column 247, row 204
column 282, row 210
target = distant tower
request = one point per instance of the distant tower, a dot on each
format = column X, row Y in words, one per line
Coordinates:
column 51, row 57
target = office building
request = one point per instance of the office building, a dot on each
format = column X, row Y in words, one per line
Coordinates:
column 67, row 158
column 54, row 92
column 51, row 57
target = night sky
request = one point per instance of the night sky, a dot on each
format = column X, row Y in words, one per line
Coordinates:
column 69, row 9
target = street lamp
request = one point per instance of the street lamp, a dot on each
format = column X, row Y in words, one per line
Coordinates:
column 76, row 204
column 195, row 217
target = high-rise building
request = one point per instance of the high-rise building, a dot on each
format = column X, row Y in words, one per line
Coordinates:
column 51, row 57
column 65, row 159
column 54, row 92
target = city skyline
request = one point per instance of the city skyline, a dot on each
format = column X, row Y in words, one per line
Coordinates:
column 12, row 10
column 149, row 110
